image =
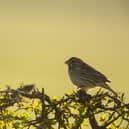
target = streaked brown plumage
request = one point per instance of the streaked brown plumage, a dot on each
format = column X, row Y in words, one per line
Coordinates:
column 84, row 76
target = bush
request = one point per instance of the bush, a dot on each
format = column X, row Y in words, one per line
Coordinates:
column 27, row 107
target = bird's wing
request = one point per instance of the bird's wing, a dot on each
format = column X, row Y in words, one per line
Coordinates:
column 93, row 74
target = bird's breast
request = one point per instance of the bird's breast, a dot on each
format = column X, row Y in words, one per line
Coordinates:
column 75, row 77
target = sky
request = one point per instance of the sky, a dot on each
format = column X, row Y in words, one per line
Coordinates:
column 38, row 36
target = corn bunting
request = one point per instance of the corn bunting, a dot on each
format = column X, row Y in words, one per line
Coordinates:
column 84, row 76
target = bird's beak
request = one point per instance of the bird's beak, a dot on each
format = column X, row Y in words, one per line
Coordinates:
column 66, row 62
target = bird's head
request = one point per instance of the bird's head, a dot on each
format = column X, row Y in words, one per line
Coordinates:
column 73, row 60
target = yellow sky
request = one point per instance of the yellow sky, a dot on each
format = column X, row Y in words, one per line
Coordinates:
column 36, row 37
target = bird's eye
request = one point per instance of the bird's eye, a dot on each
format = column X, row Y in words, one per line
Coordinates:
column 73, row 61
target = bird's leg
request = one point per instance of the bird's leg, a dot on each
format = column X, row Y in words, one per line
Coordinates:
column 83, row 95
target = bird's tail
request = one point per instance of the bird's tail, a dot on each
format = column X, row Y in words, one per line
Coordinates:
column 106, row 86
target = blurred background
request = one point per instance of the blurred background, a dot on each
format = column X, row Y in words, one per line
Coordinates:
column 37, row 36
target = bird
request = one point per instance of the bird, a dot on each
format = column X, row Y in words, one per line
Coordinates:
column 27, row 88
column 85, row 76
